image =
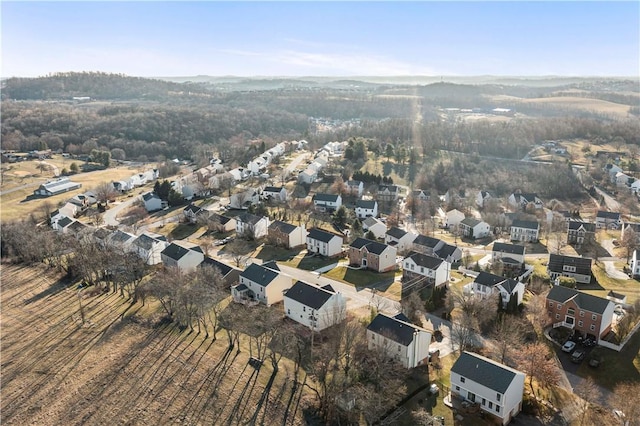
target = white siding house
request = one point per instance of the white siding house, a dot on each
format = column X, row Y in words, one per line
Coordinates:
column 366, row 208
column 314, row 307
column 324, row 243
column 404, row 342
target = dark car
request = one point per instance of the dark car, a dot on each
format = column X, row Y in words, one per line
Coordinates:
column 594, row 362
column 577, row 356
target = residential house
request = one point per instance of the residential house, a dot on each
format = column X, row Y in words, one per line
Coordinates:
column 399, row 339
column 510, row 255
column 261, row 283
column 372, row 255
column 525, row 231
column 495, row 388
column 222, row 223
column 355, row 187
column 486, row 284
column 630, row 228
column 399, row 238
column 101, row 237
column 83, row 200
column 617, row 298
column 62, row 224
column 183, row 256
column 191, row 212
column 68, row 210
column 420, row 195
column 623, row 180
column 366, row 208
column 427, row 245
column 230, row 275
column 579, row 232
column 152, row 202
column 388, row 192
column 122, row 240
column 635, row 186
column 453, row 218
column 425, row 269
column 582, row 312
column 286, row 235
column 612, row 170
column 243, row 200
column 55, row 187
column 608, row 220
column 376, row 226
column 449, row 253
column 481, row 198
column 454, row 196
column 634, row 264
column 314, row 307
column 524, row 200
column 473, row 228
column 324, row 243
column 274, row 193
column 149, row 247
column 569, row 266
column 239, row 174
column 308, row 175
column 327, row 202
column 252, row 226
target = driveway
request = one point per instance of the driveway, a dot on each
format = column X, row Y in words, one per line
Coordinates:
column 609, row 265
column 611, row 203
column 110, row 216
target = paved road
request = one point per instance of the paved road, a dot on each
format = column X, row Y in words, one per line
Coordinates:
column 609, row 264
column 110, row 216
column 611, row 203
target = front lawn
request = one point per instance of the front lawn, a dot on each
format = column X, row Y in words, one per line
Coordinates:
column 362, row 277
column 309, row 262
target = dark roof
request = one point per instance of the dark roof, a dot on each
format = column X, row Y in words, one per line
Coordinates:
column 488, row 280
column 396, row 232
column 530, row 196
column 325, row 197
column 574, row 225
column 121, row 237
column 426, row 241
column 223, row 220
column 527, row 224
column 102, row 233
column 285, row 227
column 633, row 225
column 77, row 226
column 390, row 188
column 509, row 285
column 249, row 218
column 224, row 269
column 366, row 204
column 508, row 248
column 54, row 213
column 371, row 246
column 396, row 330
column 484, row 371
column 260, row 274
column 149, row 195
column 584, row 301
column 608, row 215
column 582, row 264
column 471, row 222
column 272, row 189
column 484, row 194
column 445, row 251
column 321, row 235
column 328, row 288
column 354, row 182
column 402, row 317
column 615, row 295
column 424, row 260
column 145, row 241
column 175, row 252
column 193, row 209
column 309, row 295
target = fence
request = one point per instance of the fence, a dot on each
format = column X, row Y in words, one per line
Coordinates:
column 619, row 347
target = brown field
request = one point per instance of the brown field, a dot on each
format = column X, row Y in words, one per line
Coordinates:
column 575, row 103
column 123, row 366
column 17, row 203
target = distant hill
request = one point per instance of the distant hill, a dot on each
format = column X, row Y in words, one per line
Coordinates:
column 96, row 85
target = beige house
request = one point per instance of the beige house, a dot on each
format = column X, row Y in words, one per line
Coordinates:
column 261, row 284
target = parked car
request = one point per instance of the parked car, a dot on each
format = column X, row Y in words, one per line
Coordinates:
column 569, row 346
column 594, row 362
column 577, row 356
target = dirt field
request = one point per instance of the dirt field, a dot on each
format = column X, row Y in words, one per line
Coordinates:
column 574, row 102
column 122, row 367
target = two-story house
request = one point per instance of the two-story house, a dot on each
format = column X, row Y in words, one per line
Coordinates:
column 473, row 228
column 630, row 228
column 274, row 193
column 230, row 275
column 286, row 235
column 191, row 212
column 525, row 231
column 453, row 218
column 402, row 341
column 261, row 283
column 481, row 198
column 388, row 193
column 314, row 307
column 399, row 238
column 569, row 266
column 355, row 188
column 495, row 388
column 449, row 253
column 419, row 266
column 222, row 223
column 324, row 243
column 579, row 232
column 608, row 220
column 252, row 226
column 486, row 284
column 366, row 208
column 375, row 226
column 152, row 202
column 427, row 245
column 634, row 264
column 148, row 247
column 582, row 312
column 243, row 200
column 510, row 255
column 420, row 195
column 327, row 202
column 184, row 258
column 524, row 200
column 372, row 255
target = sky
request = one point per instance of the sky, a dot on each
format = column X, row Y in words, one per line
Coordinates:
column 171, row 39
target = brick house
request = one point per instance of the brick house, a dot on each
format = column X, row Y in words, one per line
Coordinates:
column 373, row 255
column 286, row 235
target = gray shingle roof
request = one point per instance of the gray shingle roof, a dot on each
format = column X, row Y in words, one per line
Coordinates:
column 429, row 262
column 508, row 248
column 394, row 329
column 321, row 235
column 484, row 371
column 272, row 189
column 309, row 295
column 608, row 215
column 488, row 280
column 249, row 218
column 366, row 204
column 445, row 251
column 144, row 241
column 527, row 224
column 193, row 209
column 396, row 232
column 149, row 195
column 262, row 275
column 574, row 225
column 426, row 241
column 285, row 227
column 471, row 222
column 371, row 246
column 584, row 301
column 557, row 261
column 175, row 252
column 325, row 198
column 224, row 269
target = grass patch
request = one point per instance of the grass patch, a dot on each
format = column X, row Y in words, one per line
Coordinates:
column 269, row 252
column 629, row 288
column 361, row 277
column 309, row 262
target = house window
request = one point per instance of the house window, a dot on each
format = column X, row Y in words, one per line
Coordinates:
column 490, row 404
column 304, row 309
column 593, row 317
column 458, row 388
column 484, row 401
column 582, row 313
column 288, row 311
column 462, row 379
column 579, row 323
column 551, row 304
column 498, row 397
column 557, row 316
column 592, row 328
column 559, row 306
column 571, row 311
column 497, row 408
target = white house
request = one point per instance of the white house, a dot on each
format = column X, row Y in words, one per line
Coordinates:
column 287, row 235
column 404, row 342
column 366, row 208
column 486, row 284
column 182, row 257
column 419, row 265
column 635, row 264
column 635, row 186
column 608, row 220
column 149, row 247
column 481, row 198
column 355, row 187
column 453, row 218
column 569, row 266
column 275, row 193
column 191, row 212
column 525, row 230
column 324, row 243
column 57, row 186
column 68, row 210
column 399, row 238
column 308, row 175
column 471, row 227
column 327, row 202
column 261, row 283
column 62, row 224
column 630, row 228
column 152, row 202
column 496, row 388
column 122, row 240
column 251, row 225
column 522, row 200
column 314, row 307
column 622, row 179
column 376, row 226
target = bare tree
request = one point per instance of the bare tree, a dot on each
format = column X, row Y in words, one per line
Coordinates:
column 105, row 192
column 239, row 251
column 629, row 242
column 625, row 399
column 462, row 332
column 164, row 287
column 507, row 335
column 589, row 393
column 537, row 362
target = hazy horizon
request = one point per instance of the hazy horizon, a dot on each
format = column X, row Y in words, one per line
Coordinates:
column 323, row 39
